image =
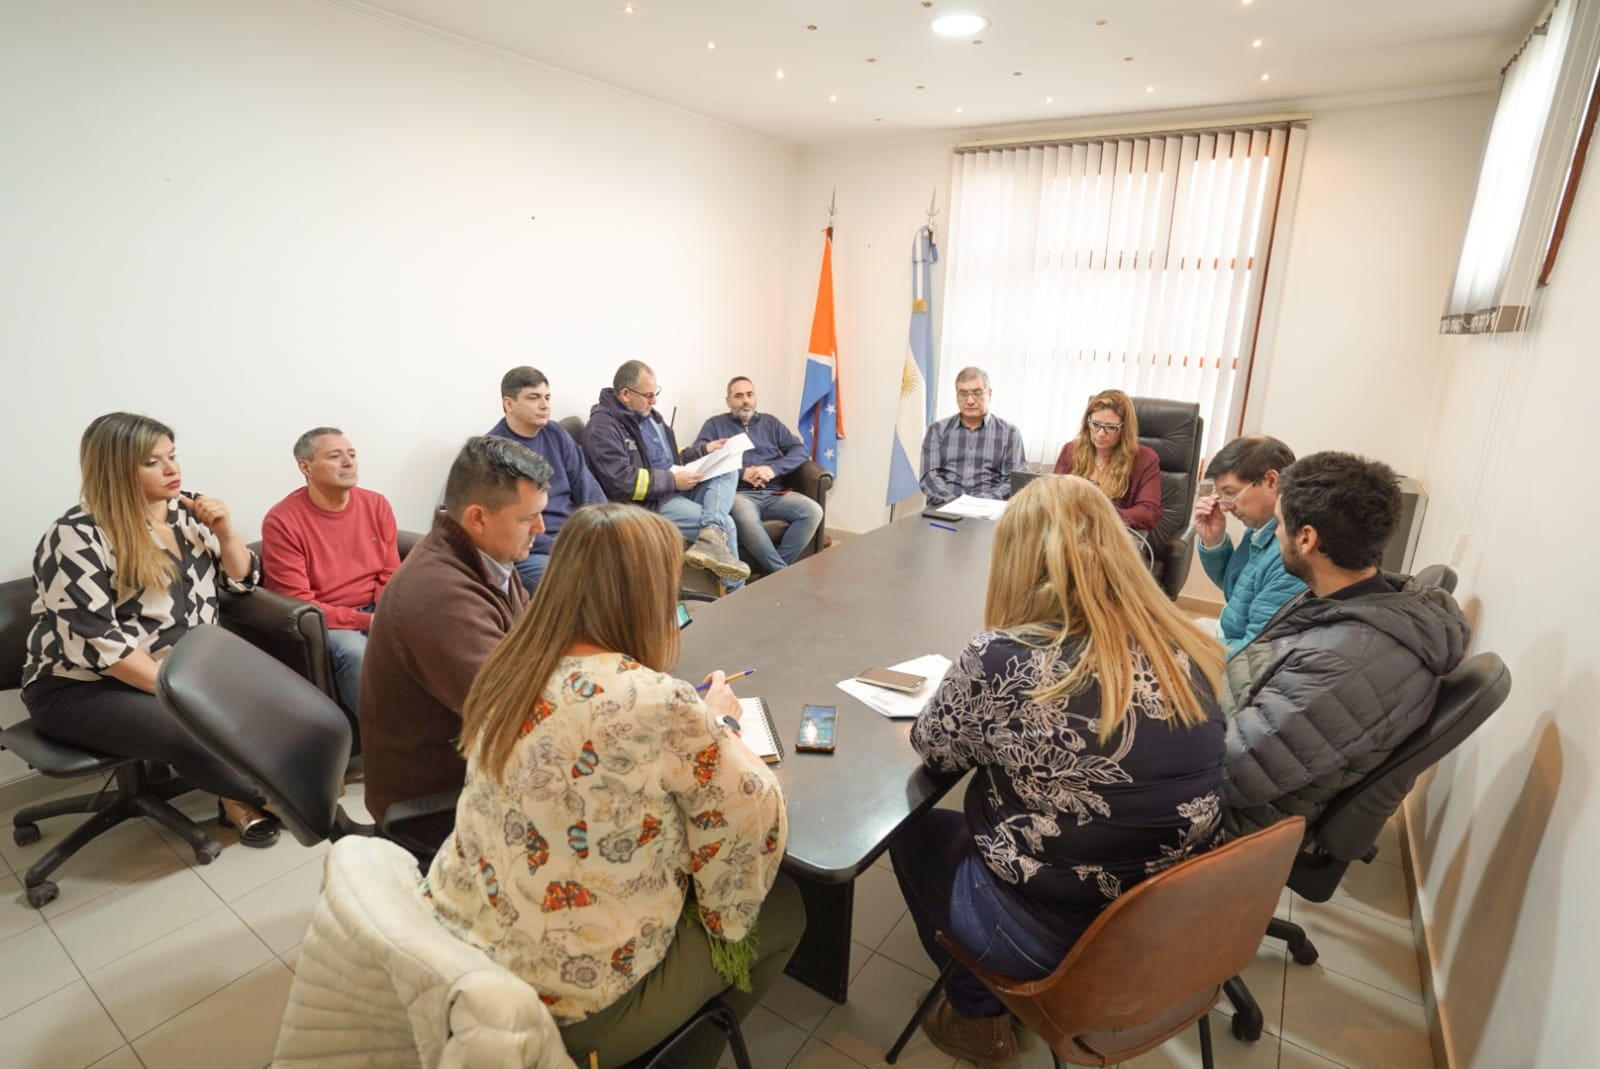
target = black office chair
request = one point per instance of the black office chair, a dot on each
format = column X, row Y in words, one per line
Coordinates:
column 292, row 741
column 1174, row 429
column 142, row 789
column 1348, row 829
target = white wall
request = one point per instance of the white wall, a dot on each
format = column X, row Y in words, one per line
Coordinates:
column 1351, row 359
column 249, row 219
column 1504, row 833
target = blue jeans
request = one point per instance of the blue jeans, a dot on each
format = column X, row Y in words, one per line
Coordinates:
column 948, row 888
column 803, row 515
column 707, row 505
column 347, row 649
column 531, row 568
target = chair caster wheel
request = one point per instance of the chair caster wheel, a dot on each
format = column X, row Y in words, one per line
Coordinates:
column 24, row 834
column 207, row 852
column 1303, row 953
column 42, row 894
column 1245, row 1030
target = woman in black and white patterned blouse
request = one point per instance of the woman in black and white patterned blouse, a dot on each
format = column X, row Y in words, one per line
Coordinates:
column 120, row 579
column 1087, row 707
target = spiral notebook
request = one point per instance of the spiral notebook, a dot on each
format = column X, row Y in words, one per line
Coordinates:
column 758, row 731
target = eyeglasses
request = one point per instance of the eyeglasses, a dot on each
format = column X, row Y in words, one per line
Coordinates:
column 1110, row 428
column 1227, row 500
column 970, row 395
column 651, row 397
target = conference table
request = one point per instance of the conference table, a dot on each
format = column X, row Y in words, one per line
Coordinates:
column 901, row 591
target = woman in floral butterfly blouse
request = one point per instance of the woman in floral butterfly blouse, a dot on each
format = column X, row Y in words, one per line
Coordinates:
column 1087, row 707
column 600, row 792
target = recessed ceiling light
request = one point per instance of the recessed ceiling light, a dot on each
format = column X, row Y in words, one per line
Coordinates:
column 963, row 25
column 627, row 9
column 833, row 98
column 1049, row 100
column 979, row 41
column 872, row 59
column 1099, row 22
column 1246, row 3
column 958, row 109
column 922, row 87
column 1256, row 43
column 1127, row 59
column 811, row 27
column 711, row 46
column 1149, row 89
column 878, row 119
column 1016, row 74
column 1266, row 77
column 780, row 74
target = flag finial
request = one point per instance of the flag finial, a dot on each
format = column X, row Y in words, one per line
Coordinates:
column 933, row 210
column 832, row 199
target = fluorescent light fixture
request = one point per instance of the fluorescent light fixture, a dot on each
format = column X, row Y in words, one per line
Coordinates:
column 962, row 25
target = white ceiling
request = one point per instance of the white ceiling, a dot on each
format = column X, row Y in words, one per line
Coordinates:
column 1195, row 53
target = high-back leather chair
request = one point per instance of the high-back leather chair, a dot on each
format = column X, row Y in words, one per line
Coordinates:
column 1154, row 962
column 141, row 790
column 1174, row 429
column 1347, row 831
column 809, row 480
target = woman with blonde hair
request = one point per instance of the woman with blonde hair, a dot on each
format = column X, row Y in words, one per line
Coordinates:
column 1088, row 708
column 1107, row 453
column 600, row 793
column 120, row 579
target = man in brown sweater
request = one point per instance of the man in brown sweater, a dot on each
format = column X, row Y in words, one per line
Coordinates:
column 447, row 607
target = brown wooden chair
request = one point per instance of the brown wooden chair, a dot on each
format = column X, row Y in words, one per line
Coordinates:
column 1154, row 962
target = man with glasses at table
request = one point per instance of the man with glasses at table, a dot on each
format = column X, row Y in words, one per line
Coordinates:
column 1254, row 582
column 632, row 452
column 972, row 452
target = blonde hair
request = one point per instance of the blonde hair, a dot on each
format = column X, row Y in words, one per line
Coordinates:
column 613, row 583
column 1064, row 567
column 1119, row 469
column 110, row 453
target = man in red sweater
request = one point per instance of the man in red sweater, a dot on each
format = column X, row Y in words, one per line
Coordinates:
column 333, row 544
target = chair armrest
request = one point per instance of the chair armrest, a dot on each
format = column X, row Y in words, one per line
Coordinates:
column 814, row 481
column 291, row 630
column 404, row 541
column 419, row 824
column 1177, row 558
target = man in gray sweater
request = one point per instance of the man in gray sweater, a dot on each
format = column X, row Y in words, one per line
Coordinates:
column 1347, row 670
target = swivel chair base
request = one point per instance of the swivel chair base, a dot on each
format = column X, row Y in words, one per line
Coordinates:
column 1248, row 1020
column 135, row 795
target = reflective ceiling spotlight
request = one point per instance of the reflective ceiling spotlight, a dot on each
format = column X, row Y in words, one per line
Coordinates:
column 627, row 9
column 711, row 46
column 1266, row 77
column 1149, row 89
column 780, row 74
column 833, row 98
column 962, row 25
column 1256, row 43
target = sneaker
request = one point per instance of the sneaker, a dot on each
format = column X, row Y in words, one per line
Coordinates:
column 989, row 1042
column 710, row 551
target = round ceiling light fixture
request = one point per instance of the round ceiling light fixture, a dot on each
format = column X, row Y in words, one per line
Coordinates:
column 962, row 25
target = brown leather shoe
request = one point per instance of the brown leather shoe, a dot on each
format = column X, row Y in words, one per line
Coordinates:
column 990, row 1042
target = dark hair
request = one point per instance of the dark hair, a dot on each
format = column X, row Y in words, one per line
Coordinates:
column 305, row 446
column 740, row 378
column 1250, row 458
column 967, row 374
column 521, row 378
column 1351, row 502
column 486, row 472
column 627, row 376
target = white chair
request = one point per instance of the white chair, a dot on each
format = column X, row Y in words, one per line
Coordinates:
column 380, row 984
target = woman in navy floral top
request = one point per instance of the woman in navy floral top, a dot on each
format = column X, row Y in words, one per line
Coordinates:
column 1088, row 708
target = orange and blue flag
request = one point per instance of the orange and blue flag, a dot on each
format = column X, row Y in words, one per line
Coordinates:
column 821, row 418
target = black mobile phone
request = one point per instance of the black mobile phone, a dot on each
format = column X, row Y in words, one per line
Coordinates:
column 684, row 619
column 816, row 729
column 943, row 517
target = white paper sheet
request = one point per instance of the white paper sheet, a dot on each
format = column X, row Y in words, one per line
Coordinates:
column 729, row 458
column 979, row 507
column 892, row 703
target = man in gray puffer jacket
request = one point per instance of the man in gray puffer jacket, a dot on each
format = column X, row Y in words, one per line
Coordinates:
column 1344, row 672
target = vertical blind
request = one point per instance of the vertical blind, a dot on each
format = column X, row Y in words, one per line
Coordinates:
column 1133, row 263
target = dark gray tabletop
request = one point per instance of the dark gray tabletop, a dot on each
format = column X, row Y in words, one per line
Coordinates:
column 902, row 591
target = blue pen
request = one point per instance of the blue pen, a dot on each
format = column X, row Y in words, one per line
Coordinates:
column 943, row 526
column 703, row 687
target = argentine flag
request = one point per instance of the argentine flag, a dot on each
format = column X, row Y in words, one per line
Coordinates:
column 821, row 423
column 916, row 402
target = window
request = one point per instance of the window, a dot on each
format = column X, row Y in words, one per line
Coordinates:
column 1527, row 173
column 1133, row 263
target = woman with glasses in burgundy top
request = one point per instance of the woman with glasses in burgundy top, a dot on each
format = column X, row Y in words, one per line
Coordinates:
column 1107, row 453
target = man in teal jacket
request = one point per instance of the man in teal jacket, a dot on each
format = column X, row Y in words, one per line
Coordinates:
column 1254, row 583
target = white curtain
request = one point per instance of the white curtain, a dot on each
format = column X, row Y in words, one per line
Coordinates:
column 1132, row 263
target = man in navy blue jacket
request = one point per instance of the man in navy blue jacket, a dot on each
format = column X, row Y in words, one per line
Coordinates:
column 525, row 400
column 776, row 452
column 632, row 452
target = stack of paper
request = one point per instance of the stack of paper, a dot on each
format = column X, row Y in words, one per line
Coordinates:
column 729, row 458
column 894, row 704
column 979, row 507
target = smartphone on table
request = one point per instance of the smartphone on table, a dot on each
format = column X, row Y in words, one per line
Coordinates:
column 904, row 682
column 684, row 619
column 816, row 729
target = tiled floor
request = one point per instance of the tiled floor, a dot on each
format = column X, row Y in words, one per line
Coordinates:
column 149, row 960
